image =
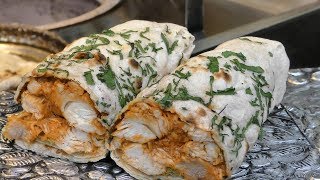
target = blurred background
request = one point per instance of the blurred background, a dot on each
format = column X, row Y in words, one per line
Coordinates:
column 296, row 23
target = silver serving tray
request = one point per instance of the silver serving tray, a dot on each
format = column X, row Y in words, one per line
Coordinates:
column 288, row 148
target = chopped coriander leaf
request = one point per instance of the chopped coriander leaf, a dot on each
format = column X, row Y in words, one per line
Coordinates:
column 213, row 121
column 253, row 120
column 225, row 121
column 84, row 47
column 227, row 54
column 105, row 104
column 126, row 35
column 213, row 64
column 143, row 32
column 248, row 91
column 116, row 52
column 132, row 48
column 107, row 77
column 60, row 72
column 184, row 108
column 152, row 77
column 108, row 32
column 184, row 95
column 266, row 94
column 242, row 67
column 137, row 43
column 89, row 78
column 88, row 41
column 260, row 80
column 254, row 102
column 246, row 39
column 104, row 40
column 228, row 66
column 117, row 42
column 174, row 44
column 166, row 42
column 181, row 75
column 270, row 54
column 257, row 89
column 211, row 86
column 128, row 73
column 228, row 91
column 153, row 46
column 181, row 95
column 42, row 70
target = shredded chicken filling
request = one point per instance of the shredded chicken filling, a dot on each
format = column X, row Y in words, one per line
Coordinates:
column 173, row 149
column 42, row 119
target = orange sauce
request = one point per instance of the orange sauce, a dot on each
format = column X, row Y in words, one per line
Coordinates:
column 52, row 127
column 173, row 142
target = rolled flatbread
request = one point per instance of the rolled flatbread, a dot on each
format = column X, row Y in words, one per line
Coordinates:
column 199, row 121
column 70, row 100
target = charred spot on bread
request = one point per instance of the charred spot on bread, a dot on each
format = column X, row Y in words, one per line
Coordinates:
column 134, row 63
column 201, row 112
column 223, row 75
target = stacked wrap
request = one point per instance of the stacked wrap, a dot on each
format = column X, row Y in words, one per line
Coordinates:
column 70, row 100
column 199, row 121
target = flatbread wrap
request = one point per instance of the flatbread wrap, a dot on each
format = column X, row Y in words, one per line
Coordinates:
column 70, row 100
column 199, row 121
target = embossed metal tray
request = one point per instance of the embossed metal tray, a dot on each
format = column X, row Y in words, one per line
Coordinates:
column 288, row 148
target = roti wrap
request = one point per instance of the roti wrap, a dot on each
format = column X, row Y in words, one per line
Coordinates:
column 199, row 121
column 70, row 100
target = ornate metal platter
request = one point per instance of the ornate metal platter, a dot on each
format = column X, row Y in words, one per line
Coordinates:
column 288, row 148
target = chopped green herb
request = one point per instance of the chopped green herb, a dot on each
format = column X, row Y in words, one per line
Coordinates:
column 246, row 39
column 266, row 94
column 254, row 102
column 213, row 121
column 84, row 48
column 108, row 32
column 248, row 91
column 270, row 54
column 260, row 80
column 105, row 104
column 42, row 70
column 104, row 40
column 60, row 72
column 152, row 77
column 116, row 52
column 138, row 45
column 211, row 86
column 225, row 121
column 184, row 108
column 213, row 64
column 143, row 32
column 180, row 59
column 228, row 91
column 181, row 75
column 126, row 35
column 166, row 42
column 228, row 66
column 242, row 67
column 153, row 46
column 128, row 73
column 107, row 77
column 117, row 42
column 181, row 95
column 227, row 54
column 89, row 78
column 257, row 89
